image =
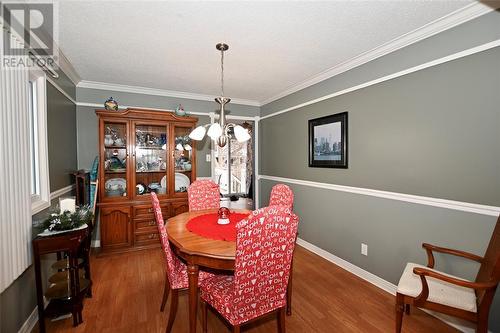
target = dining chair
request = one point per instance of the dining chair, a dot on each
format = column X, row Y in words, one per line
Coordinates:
column 203, row 194
column 425, row 287
column 281, row 195
column 176, row 277
column 264, row 248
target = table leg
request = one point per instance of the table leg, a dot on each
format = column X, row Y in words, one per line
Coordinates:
column 193, row 296
column 39, row 290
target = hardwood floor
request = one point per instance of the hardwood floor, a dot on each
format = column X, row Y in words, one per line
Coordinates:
column 128, row 290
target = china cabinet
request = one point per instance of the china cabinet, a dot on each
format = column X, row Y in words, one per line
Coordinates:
column 142, row 151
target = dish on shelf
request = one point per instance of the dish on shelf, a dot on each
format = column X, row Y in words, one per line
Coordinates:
column 163, row 182
column 181, row 182
column 115, row 187
column 114, row 164
column 154, row 186
column 140, row 188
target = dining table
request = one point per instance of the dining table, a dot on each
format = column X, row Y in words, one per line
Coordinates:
column 199, row 251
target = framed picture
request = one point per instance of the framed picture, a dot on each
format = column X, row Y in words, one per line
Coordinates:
column 328, row 141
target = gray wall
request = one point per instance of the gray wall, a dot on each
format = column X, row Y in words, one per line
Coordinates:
column 432, row 133
column 19, row 300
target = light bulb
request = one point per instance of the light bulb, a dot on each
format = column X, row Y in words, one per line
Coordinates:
column 241, row 134
column 214, row 131
column 198, row 133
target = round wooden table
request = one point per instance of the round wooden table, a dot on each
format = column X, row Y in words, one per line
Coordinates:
column 198, row 251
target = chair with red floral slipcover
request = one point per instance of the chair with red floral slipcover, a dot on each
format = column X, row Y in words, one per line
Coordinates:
column 264, row 248
column 176, row 275
column 203, row 194
column 281, row 195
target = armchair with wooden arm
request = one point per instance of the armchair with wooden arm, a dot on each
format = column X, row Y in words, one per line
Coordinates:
column 428, row 288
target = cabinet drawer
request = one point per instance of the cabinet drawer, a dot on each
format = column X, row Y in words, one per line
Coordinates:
column 146, row 211
column 147, row 238
column 146, row 224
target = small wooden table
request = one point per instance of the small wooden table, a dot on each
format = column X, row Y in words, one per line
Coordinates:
column 199, row 251
column 69, row 242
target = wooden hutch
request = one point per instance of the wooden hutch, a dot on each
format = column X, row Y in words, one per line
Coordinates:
column 141, row 151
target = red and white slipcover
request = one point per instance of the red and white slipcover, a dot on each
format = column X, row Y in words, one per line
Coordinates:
column 264, row 250
column 281, row 195
column 176, row 269
column 203, row 194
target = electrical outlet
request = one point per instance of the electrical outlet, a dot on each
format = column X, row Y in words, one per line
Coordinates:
column 364, row 249
column 208, row 157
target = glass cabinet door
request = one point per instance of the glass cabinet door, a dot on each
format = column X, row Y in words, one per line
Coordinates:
column 115, row 159
column 183, row 157
column 151, row 163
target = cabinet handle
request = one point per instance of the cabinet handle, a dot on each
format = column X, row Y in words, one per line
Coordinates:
column 152, row 236
column 150, row 210
column 152, row 222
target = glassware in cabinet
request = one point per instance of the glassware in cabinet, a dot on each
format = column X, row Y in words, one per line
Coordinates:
column 115, row 159
column 151, row 167
column 183, row 159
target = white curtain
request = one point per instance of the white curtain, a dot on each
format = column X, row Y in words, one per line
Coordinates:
column 15, row 194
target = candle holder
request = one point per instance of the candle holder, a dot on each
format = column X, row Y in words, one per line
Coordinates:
column 223, row 215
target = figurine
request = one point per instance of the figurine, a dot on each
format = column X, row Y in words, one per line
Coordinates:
column 111, row 104
column 179, row 111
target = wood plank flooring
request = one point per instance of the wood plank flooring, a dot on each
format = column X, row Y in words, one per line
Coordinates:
column 128, row 290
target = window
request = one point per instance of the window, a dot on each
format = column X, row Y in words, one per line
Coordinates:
column 39, row 166
column 233, row 167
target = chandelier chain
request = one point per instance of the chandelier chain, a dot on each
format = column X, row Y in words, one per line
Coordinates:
column 222, row 73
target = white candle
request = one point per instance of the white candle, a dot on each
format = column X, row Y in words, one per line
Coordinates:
column 67, row 204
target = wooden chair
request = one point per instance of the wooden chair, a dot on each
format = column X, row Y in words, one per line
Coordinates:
column 427, row 288
column 282, row 195
column 264, row 248
column 176, row 277
column 62, row 263
column 203, row 194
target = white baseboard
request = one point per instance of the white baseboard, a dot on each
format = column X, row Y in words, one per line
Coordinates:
column 379, row 282
column 30, row 323
column 358, row 271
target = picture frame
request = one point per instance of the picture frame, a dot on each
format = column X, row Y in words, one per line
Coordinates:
column 328, row 141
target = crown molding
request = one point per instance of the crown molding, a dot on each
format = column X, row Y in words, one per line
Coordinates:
column 157, row 92
column 446, row 22
column 68, row 69
column 451, row 57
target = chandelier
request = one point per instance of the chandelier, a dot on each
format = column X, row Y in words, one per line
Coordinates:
column 221, row 131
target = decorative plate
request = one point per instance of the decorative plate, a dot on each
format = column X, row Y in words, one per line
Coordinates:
column 181, row 182
column 116, row 184
column 116, row 164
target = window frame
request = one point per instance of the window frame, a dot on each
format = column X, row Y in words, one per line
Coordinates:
column 41, row 199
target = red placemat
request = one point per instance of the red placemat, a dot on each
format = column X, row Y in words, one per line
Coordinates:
column 206, row 226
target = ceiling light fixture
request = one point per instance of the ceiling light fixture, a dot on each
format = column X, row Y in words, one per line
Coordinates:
column 221, row 131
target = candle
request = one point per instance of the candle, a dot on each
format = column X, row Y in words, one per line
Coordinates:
column 67, row 204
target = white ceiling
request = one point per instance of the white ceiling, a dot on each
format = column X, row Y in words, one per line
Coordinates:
column 272, row 45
